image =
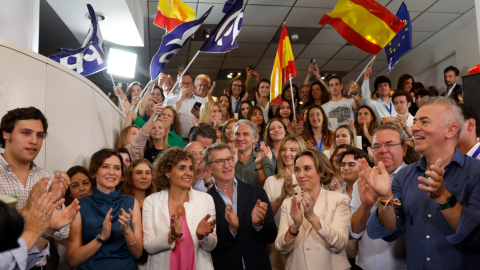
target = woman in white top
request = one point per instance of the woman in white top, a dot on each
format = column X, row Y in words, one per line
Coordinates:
column 262, row 99
column 178, row 222
column 281, row 185
column 314, row 226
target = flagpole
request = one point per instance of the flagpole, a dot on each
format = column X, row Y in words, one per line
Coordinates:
column 178, row 79
column 293, row 100
column 141, row 94
column 371, row 62
column 118, row 96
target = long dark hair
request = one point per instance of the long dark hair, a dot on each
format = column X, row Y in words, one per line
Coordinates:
column 308, row 132
column 250, row 113
column 229, row 109
column 325, row 94
column 73, row 171
column 295, row 96
column 402, row 79
column 373, row 125
column 238, row 78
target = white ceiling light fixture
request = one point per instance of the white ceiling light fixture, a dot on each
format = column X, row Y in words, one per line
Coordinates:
column 121, row 63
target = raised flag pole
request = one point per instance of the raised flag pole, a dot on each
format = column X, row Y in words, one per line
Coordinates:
column 368, row 65
column 118, row 96
column 142, row 93
column 178, row 79
column 293, row 100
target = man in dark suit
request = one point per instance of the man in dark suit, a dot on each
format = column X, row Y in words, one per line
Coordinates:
column 245, row 223
column 450, row 77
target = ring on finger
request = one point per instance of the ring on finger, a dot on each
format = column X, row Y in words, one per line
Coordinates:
column 44, row 212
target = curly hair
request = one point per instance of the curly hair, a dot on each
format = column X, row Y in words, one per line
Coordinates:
column 127, row 187
column 168, row 159
column 320, row 162
column 176, row 125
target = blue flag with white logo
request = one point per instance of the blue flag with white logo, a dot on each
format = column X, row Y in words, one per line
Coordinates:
column 173, row 42
column 402, row 42
column 224, row 37
column 91, row 57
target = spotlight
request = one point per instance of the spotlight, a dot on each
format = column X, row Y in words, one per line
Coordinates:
column 239, row 73
column 121, row 63
column 207, row 33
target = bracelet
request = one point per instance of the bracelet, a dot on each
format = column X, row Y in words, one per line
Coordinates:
column 293, row 234
column 279, row 201
column 208, row 184
column 133, row 242
column 390, row 200
column 258, row 169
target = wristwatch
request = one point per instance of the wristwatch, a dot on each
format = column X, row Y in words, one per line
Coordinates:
column 100, row 239
column 451, row 201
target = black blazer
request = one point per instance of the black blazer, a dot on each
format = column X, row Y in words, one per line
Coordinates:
column 248, row 243
column 457, row 90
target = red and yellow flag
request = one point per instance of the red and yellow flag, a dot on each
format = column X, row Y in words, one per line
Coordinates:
column 365, row 23
column 172, row 13
column 284, row 67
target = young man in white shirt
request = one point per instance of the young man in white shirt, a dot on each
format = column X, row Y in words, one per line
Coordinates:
column 339, row 107
column 383, row 106
column 402, row 101
column 468, row 141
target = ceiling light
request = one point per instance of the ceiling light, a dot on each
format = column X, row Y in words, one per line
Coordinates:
column 207, row 33
column 239, row 73
column 100, row 16
column 121, row 63
column 229, row 76
column 323, row 78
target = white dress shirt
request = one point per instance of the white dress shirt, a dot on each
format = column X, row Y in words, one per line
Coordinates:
column 377, row 254
column 185, row 112
column 19, row 258
column 378, row 106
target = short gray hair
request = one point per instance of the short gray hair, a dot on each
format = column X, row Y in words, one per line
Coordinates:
column 390, row 126
column 246, row 122
column 216, row 146
column 203, row 76
column 452, row 113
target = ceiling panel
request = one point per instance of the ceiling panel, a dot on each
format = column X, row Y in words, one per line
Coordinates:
column 266, row 63
column 156, row 32
column 350, row 52
column 270, row 2
column 378, row 65
column 209, row 62
column 316, row 3
column 328, row 37
column 302, row 64
column 450, row 6
column 419, row 37
column 433, row 21
column 305, row 17
column 239, row 62
column 256, row 15
column 248, row 50
column 340, row 65
column 305, row 35
column 215, row 16
column 319, row 51
column 412, row 5
column 257, row 34
column 413, row 14
column 351, row 76
column 272, row 50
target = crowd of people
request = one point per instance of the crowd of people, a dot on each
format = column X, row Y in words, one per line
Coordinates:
column 337, row 177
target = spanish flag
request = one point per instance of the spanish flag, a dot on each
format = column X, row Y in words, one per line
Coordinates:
column 172, row 13
column 365, row 23
column 284, row 67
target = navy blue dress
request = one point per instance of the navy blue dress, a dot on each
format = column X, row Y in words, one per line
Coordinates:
column 114, row 253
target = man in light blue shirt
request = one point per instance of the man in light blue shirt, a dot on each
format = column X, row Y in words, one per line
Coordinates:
column 383, row 106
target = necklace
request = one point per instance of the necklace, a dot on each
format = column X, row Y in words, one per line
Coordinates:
column 180, row 202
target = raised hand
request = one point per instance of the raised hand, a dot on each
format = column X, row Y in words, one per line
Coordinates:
column 194, row 122
column 63, row 217
column 176, row 224
column 196, row 112
column 434, row 183
column 158, row 108
column 259, row 212
column 367, row 72
column 401, row 120
column 135, row 101
column 288, row 185
column 257, row 96
column 64, row 180
column 354, row 88
column 245, row 96
column 308, row 205
column 226, row 93
column 38, row 190
column 124, row 219
column 365, row 129
column 296, row 212
column 210, row 92
column 38, row 218
column 377, row 178
column 367, row 195
column 310, row 144
column 231, row 218
column 205, row 227
column 107, row 226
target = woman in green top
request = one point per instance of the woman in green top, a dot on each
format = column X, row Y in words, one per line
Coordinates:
column 172, row 121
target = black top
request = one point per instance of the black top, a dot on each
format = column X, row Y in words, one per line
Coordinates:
column 151, row 154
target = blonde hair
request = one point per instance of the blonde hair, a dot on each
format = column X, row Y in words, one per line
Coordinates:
column 206, row 110
column 165, row 138
column 123, row 138
column 224, row 129
column 299, row 143
column 351, row 132
column 266, row 136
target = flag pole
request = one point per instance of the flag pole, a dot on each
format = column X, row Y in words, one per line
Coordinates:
column 178, row 79
column 143, row 91
column 293, row 100
column 118, row 96
column 371, row 62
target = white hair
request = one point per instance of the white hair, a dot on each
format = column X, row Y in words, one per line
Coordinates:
column 452, row 113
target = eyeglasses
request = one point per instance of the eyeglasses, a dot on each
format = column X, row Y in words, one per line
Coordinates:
column 220, row 162
column 236, row 85
column 377, row 147
column 347, row 165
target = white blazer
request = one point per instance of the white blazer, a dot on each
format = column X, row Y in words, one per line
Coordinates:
column 156, row 226
column 324, row 249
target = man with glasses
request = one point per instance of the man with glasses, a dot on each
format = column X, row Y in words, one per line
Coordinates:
column 184, row 104
column 252, row 167
column 245, row 223
column 388, row 145
column 434, row 201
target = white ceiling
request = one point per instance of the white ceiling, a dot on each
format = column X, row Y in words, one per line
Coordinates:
column 258, row 39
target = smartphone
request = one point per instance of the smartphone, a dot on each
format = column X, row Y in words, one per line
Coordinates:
column 181, row 65
column 196, row 105
column 313, row 61
column 251, row 67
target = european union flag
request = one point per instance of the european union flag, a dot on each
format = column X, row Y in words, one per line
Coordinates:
column 91, row 57
column 224, row 36
column 173, row 42
column 402, row 42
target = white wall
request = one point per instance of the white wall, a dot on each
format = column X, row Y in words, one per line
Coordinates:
column 434, row 75
column 81, row 118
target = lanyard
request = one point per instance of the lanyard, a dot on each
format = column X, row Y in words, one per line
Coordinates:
column 388, row 109
column 320, row 144
column 238, row 104
column 259, row 141
column 476, row 152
